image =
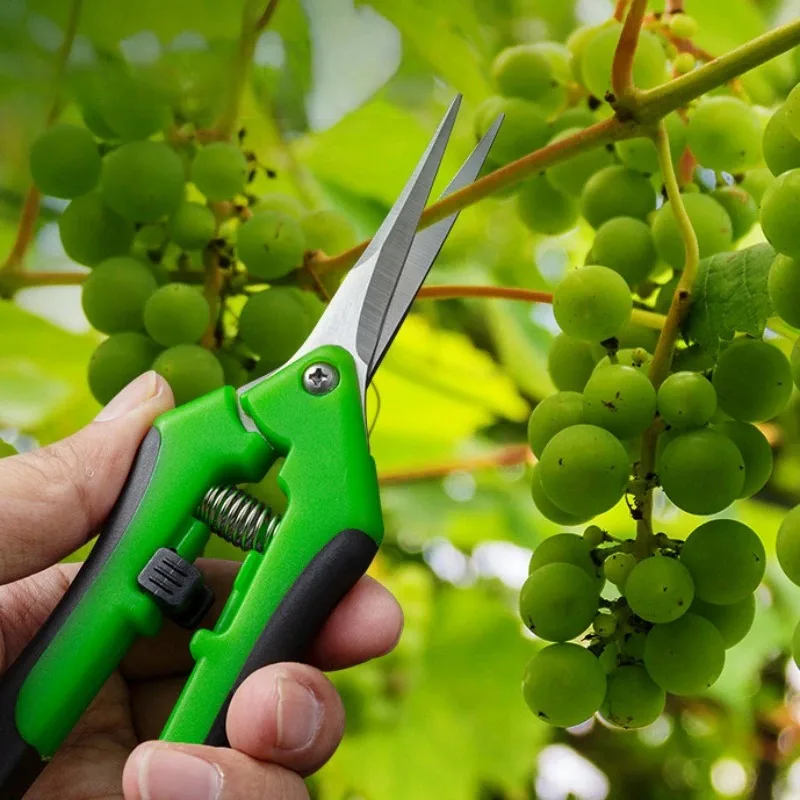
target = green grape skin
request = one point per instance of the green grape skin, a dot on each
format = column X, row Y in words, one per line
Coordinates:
column 791, row 110
column 547, row 508
column 604, row 625
column 620, row 399
column 233, row 370
column 142, row 181
column 609, row 657
column 329, row 231
column 64, row 161
column 784, row 288
column 115, row 293
column 554, row 413
column 638, row 338
column 283, row 203
column 558, row 602
column 559, row 57
column 571, row 175
column 726, row 560
column 711, row 224
column 701, row 471
column 566, row 548
column 219, row 171
column 724, row 133
column 796, row 645
column 686, row 656
column 524, row 128
column 638, row 358
column 778, row 213
column 190, row 370
column 544, row 209
column 576, row 43
column 117, row 361
column 584, row 470
column 781, row 149
column 740, row 206
column 130, row 106
column 192, row 226
column 270, row 244
column 617, row 567
column 594, row 536
column 649, row 62
column 641, row 155
column 787, row 545
column 592, row 303
column 794, row 362
column 659, row 589
column 575, row 118
column 686, row 400
column 91, row 232
column 625, row 245
column 753, row 380
column 176, row 314
column 570, row 363
column 631, row 647
column 523, row 71
column 733, row 620
column 633, row 699
column 692, row 359
column 756, row 181
column 564, row 684
column 756, row 452
column 616, row 191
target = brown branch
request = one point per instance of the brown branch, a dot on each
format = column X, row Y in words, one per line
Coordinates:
column 506, row 457
column 622, row 66
column 620, row 8
column 502, row 292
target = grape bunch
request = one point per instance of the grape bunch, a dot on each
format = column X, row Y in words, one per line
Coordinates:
column 157, row 205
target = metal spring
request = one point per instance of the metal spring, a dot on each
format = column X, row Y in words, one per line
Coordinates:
column 238, row 518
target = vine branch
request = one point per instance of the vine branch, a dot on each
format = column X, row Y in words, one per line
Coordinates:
column 622, row 66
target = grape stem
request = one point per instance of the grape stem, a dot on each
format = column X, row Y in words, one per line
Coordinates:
column 622, row 66
column 619, row 9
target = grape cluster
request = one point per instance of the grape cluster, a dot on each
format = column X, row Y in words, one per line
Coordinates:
column 156, row 203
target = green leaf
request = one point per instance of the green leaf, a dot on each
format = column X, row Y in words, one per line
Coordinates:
column 730, row 297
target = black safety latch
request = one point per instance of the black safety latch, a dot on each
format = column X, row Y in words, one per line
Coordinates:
column 177, row 586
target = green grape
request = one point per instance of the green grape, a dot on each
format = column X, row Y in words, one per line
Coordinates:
column 791, row 110
column 649, row 62
column 617, row 567
column 616, row 191
column 219, row 171
column 232, row 368
column 659, row 589
column 795, row 363
column 566, row 548
column 115, row 293
column 778, row 219
column 620, row 399
column 149, row 238
column 633, row 699
column 270, row 244
column 592, row 303
column 574, row 118
column 142, row 181
column 641, row 155
column 733, row 621
column 275, row 322
column 64, row 161
column 91, row 232
column 711, row 224
column 558, row 602
column 577, row 43
column 784, row 288
column 682, row 25
column 636, row 357
column 192, row 226
column 683, row 63
column 329, row 231
column 547, row 508
column 544, row 209
column 625, row 245
column 693, row 359
column 584, row 470
column 176, row 314
column 781, row 148
column 604, row 625
column 686, row 400
column 756, row 452
column 701, row 471
column 741, row 208
column 131, row 107
column 796, row 645
column 559, row 57
column 190, row 370
column 686, row 656
column 569, row 363
column 609, row 656
column 724, row 133
column 571, row 175
column 787, row 545
column 564, row 684
column 632, row 645
column 117, row 361
column 523, row 71
column 726, row 560
column 637, row 338
column 757, row 181
column 283, row 203
column 553, row 414
column 524, row 128
column 594, row 536
column 753, row 380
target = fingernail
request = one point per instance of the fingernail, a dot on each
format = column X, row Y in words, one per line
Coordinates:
column 299, row 715
column 137, row 392
column 167, row 774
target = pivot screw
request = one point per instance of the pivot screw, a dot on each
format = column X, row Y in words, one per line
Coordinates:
column 320, row 379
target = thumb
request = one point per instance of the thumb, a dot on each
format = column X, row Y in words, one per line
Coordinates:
column 54, row 498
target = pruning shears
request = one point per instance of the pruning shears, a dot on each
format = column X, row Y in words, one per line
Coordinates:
column 182, row 488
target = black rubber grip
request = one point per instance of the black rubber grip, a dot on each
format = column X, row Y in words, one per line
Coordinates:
column 303, row 611
column 20, row 764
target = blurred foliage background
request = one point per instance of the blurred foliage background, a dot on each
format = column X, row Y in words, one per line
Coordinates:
column 342, row 100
